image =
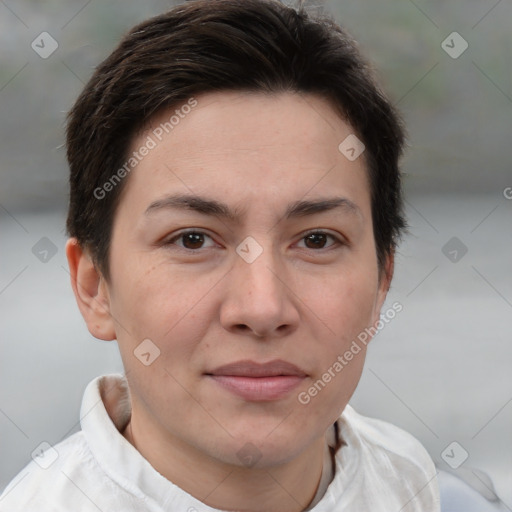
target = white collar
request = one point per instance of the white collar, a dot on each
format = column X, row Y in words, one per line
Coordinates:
column 368, row 461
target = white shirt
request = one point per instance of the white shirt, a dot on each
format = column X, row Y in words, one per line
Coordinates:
column 381, row 468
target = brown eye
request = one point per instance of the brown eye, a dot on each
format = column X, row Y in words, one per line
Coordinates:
column 190, row 240
column 320, row 241
column 316, row 240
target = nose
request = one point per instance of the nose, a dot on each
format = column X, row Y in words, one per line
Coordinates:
column 259, row 299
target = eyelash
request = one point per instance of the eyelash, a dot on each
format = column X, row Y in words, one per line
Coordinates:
column 171, row 241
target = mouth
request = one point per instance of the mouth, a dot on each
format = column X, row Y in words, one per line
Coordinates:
column 259, row 382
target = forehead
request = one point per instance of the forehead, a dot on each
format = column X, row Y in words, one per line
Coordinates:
column 257, row 146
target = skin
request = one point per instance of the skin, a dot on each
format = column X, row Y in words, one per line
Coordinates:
column 205, row 306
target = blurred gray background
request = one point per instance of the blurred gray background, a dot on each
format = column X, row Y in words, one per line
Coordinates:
column 441, row 369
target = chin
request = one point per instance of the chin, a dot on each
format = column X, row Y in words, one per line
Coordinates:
column 269, row 447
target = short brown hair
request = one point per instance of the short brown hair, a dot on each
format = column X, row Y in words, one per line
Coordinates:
column 224, row 45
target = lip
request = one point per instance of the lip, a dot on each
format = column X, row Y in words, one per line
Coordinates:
column 260, row 382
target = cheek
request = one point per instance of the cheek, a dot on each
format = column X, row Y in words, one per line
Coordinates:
column 155, row 300
column 344, row 301
column 340, row 355
column 344, row 306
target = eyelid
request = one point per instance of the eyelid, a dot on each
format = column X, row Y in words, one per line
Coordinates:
column 179, row 234
column 339, row 240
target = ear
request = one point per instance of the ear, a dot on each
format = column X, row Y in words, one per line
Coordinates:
column 91, row 292
column 385, row 277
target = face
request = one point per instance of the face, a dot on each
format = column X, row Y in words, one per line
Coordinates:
column 249, row 272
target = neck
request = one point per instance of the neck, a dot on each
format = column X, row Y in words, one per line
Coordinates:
column 290, row 486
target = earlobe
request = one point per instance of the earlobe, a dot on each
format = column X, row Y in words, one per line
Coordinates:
column 91, row 292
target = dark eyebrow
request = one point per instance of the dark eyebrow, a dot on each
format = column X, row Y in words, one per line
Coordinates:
column 216, row 208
